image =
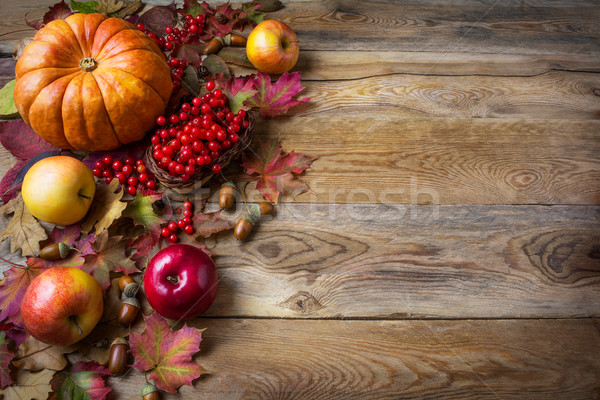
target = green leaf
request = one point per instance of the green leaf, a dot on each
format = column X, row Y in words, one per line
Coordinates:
column 85, row 7
column 216, row 66
column 142, row 212
column 7, row 102
column 84, row 381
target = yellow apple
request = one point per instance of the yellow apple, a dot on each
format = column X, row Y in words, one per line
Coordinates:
column 272, row 47
column 58, row 190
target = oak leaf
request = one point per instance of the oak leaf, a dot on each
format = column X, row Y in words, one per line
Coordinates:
column 6, row 357
column 276, row 169
column 207, row 224
column 34, row 355
column 168, row 354
column 24, row 231
column 109, row 256
column 106, row 207
column 85, row 380
column 29, row 386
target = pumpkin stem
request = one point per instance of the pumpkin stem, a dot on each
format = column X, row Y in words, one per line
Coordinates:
column 88, row 64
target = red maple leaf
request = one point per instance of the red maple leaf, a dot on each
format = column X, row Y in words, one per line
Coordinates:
column 6, row 357
column 276, row 170
column 168, row 354
column 68, row 236
column 84, row 380
column 108, row 256
column 273, row 99
column 12, row 289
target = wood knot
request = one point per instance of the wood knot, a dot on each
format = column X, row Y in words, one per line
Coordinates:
column 596, row 91
column 302, row 302
column 269, row 250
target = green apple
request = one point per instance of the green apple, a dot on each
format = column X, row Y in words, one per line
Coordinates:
column 62, row 305
column 58, row 190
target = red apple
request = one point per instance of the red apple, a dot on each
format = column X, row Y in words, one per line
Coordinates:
column 272, row 47
column 62, row 305
column 180, row 282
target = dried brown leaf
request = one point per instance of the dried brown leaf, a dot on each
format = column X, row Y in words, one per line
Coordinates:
column 24, row 231
column 129, row 8
column 108, row 6
column 106, row 207
column 34, row 355
column 29, row 386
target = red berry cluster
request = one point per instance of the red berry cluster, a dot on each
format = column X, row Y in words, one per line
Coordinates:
column 131, row 173
column 193, row 27
column 184, row 224
column 195, row 137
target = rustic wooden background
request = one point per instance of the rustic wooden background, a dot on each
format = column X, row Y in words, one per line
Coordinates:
column 451, row 247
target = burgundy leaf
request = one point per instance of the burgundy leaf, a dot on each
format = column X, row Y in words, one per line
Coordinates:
column 8, row 188
column 18, row 138
column 158, row 18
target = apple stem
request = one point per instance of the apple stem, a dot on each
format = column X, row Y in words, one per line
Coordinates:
column 14, row 264
column 74, row 319
column 172, row 279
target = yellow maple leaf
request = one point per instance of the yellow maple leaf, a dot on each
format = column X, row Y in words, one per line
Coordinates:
column 106, row 207
column 24, row 231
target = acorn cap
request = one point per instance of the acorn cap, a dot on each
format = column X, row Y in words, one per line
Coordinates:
column 133, row 301
column 253, row 214
column 120, row 340
column 131, row 289
column 63, row 249
column 229, row 184
column 148, row 388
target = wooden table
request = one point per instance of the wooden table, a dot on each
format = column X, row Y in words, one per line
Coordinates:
column 451, row 245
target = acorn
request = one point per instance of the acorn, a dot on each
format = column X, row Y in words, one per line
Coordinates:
column 150, row 392
column 117, row 359
column 128, row 311
column 266, row 208
column 227, row 195
column 124, row 281
column 237, row 40
column 213, row 46
column 246, row 223
column 55, row 251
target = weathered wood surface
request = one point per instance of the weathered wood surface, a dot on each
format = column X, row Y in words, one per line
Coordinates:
column 451, row 245
column 494, row 359
column 390, row 260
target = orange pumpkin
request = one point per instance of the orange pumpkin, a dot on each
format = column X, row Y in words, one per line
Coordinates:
column 90, row 82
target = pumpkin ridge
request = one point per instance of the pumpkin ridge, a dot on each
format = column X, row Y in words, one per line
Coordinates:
column 138, row 79
column 168, row 96
column 110, row 121
column 95, row 56
column 49, row 83
column 76, row 39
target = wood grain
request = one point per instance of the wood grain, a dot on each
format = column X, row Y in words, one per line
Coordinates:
column 556, row 94
column 272, row 359
column 383, row 157
column 474, row 27
column 392, row 261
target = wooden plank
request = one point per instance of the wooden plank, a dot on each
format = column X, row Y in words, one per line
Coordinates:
column 556, row 94
column 476, row 28
column 443, row 160
column 392, row 261
column 274, row 359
